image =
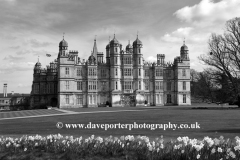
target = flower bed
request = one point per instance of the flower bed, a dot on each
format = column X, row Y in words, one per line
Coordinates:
column 124, row 147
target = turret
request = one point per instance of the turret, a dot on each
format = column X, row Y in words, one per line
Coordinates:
column 160, row 59
column 137, row 45
column 63, row 47
column 108, row 53
column 129, row 48
column 184, row 52
column 37, row 67
column 115, row 63
column 114, row 46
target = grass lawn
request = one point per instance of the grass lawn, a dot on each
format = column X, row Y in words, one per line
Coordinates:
column 213, row 123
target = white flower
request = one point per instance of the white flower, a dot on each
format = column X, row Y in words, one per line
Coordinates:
column 182, row 151
column 161, row 146
column 232, row 154
column 150, row 148
column 153, row 144
column 219, row 149
column 175, row 147
column 216, row 141
column 198, row 156
column 122, row 145
column 7, row 145
column 209, row 141
column 25, row 149
column 158, row 149
column 99, row 139
column 198, row 147
column 213, row 150
column 237, row 148
column 36, row 144
column 179, row 139
column 122, row 138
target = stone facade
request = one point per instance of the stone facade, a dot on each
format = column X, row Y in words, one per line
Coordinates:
column 123, row 79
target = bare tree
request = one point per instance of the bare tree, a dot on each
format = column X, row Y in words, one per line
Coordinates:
column 224, row 54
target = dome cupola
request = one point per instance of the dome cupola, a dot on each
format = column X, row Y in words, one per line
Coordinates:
column 114, row 41
column 63, row 43
column 137, row 43
column 184, row 48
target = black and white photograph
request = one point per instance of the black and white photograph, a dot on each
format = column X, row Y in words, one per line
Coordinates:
column 119, row 79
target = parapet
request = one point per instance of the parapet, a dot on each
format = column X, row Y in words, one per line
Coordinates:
column 160, row 56
column 73, row 52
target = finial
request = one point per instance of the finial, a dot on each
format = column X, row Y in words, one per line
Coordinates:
column 95, row 37
column 137, row 34
column 109, row 38
column 128, row 41
column 38, row 58
column 63, row 35
column 184, row 41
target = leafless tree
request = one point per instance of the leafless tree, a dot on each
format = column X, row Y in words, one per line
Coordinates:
column 224, row 54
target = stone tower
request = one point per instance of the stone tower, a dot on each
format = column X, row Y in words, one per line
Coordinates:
column 115, row 74
column 138, row 71
column 182, row 78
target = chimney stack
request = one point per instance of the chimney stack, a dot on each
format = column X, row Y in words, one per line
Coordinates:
column 5, row 90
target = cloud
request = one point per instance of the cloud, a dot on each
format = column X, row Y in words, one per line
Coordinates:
column 177, row 35
column 11, row 67
column 35, row 52
column 36, row 44
column 20, row 85
column 14, row 47
column 13, row 58
column 151, row 59
column 208, row 13
column 23, row 52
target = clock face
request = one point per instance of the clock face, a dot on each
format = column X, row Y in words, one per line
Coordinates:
column 131, row 50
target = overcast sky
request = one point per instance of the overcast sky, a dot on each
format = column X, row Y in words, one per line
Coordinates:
column 32, row 28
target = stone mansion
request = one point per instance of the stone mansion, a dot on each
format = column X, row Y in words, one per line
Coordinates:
column 123, row 79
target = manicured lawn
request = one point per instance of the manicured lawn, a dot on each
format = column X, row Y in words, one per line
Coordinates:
column 213, row 123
